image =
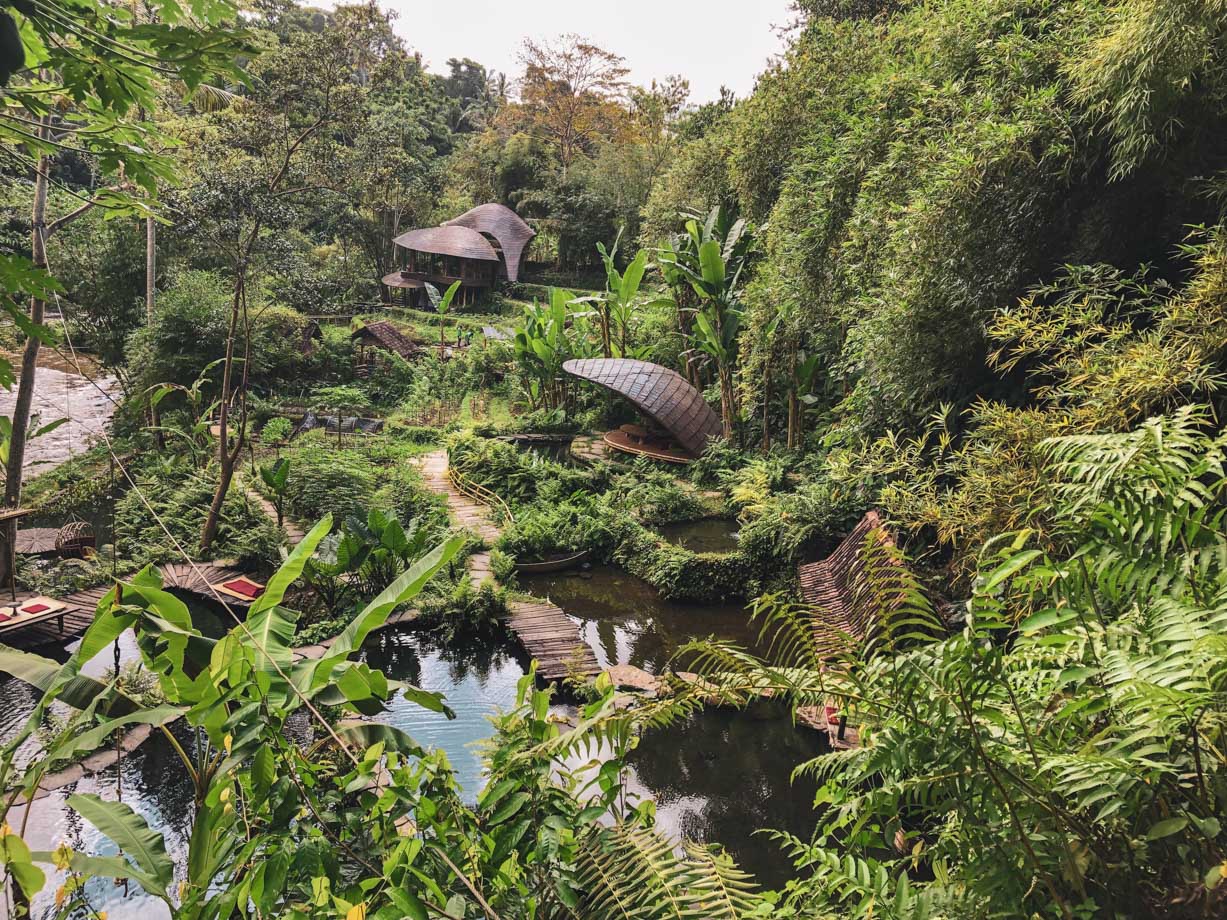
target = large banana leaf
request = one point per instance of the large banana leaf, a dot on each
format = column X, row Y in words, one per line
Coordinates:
column 291, row 569
column 368, row 734
column 130, row 832
column 90, row 740
column 310, row 676
column 77, row 690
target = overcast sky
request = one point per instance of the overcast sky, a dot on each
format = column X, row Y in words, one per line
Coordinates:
column 711, row 42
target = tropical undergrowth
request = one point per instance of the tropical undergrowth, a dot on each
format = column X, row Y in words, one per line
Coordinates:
column 1061, row 753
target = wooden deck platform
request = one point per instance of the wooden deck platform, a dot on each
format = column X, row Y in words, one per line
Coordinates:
column 621, row 441
column 64, row 626
column 546, row 632
column 198, row 578
column 552, row 638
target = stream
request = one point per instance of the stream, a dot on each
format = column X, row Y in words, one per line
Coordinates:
column 87, row 404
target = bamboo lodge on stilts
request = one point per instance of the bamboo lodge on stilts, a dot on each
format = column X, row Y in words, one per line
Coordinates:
column 481, row 247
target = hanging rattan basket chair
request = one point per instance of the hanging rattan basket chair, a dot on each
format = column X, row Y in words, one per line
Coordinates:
column 75, row 540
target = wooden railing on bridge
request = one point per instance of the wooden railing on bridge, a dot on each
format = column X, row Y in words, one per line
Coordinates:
column 478, row 492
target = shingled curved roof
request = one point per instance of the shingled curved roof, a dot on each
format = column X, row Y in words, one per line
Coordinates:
column 505, row 225
column 657, row 392
column 463, row 242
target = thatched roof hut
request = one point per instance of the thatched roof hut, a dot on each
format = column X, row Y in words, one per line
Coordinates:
column 382, row 334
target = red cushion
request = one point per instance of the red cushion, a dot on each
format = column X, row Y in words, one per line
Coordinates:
column 4, row 616
column 244, row 587
column 34, row 608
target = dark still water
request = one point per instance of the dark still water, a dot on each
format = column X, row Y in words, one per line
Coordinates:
column 720, row 775
column 709, row 535
column 626, row 621
column 478, row 682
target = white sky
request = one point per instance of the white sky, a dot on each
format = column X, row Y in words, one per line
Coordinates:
column 711, row 42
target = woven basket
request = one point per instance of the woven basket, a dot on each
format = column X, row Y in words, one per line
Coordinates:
column 75, row 540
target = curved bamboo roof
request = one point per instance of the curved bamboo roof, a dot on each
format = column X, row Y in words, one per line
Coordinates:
column 659, row 393
column 462, row 242
column 505, row 225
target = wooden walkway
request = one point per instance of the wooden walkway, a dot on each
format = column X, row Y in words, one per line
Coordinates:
column 546, row 632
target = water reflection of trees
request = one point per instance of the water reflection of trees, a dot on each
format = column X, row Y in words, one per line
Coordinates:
column 403, row 655
column 629, row 621
column 728, row 773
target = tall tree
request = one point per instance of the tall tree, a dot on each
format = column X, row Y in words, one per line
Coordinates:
column 257, row 170
column 82, row 73
column 568, row 90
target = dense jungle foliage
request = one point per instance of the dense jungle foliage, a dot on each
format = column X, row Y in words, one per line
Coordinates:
column 962, row 262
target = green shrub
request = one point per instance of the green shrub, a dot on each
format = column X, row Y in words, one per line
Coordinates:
column 178, row 499
column 327, row 480
column 550, row 528
column 276, row 430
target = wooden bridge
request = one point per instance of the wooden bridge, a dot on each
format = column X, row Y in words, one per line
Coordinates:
column 546, row 632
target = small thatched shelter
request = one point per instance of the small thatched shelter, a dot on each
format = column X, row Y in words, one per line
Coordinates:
column 383, row 335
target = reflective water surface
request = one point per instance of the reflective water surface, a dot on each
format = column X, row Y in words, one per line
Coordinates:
column 708, row 535
column 626, row 621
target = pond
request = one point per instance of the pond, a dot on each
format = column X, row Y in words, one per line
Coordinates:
column 720, row 775
column 626, row 621
column 707, row 535
column 478, row 682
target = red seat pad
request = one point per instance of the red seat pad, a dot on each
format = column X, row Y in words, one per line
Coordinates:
column 35, row 608
column 244, row 587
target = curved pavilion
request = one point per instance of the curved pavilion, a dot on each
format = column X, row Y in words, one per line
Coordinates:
column 664, row 396
column 477, row 248
column 442, row 256
column 506, row 228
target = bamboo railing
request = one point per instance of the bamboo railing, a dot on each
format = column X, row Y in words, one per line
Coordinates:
column 478, row 492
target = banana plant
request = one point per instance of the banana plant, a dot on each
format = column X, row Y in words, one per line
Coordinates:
column 6, row 433
column 276, row 477
column 237, row 692
column 616, row 307
column 542, row 344
column 442, row 304
column 709, row 259
column 196, row 431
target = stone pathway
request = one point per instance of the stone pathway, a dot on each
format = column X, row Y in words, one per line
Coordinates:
column 589, row 448
column 294, row 533
column 546, row 632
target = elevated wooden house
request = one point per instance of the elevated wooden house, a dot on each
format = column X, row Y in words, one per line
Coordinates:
column 479, row 248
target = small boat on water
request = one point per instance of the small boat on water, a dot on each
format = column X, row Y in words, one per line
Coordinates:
column 557, row 564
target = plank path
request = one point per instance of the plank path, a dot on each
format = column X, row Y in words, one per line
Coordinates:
column 548, row 635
